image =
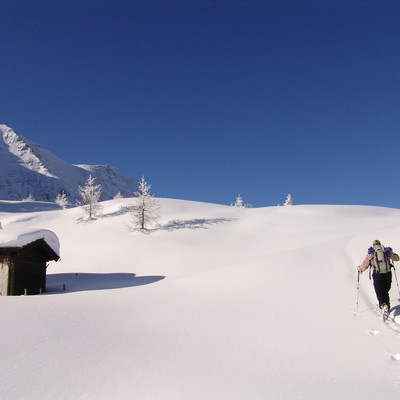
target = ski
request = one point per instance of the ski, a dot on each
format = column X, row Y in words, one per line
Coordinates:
column 385, row 313
column 390, row 320
column 392, row 323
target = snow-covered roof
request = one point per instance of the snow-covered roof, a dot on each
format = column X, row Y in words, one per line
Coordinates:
column 13, row 238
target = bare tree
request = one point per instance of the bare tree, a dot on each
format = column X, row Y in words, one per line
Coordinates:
column 62, row 199
column 29, row 198
column 90, row 194
column 288, row 201
column 145, row 211
column 239, row 202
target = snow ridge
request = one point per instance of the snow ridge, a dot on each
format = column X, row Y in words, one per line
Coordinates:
column 19, row 146
column 28, row 169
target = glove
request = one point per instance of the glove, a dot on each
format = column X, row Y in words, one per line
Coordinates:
column 359, row 268
column 388, row 250
column 371, row 250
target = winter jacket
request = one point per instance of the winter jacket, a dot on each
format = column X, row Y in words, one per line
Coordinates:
column 368, row 261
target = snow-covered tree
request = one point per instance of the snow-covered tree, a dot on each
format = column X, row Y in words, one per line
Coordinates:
column 288, row 201
column 90, row 194
column 239, row 202
column 62, row 199
column 29, row 198
column 145, row 211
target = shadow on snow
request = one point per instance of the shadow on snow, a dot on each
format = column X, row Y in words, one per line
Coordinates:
column 395, row 311
column 78, row 282
column 198, row 223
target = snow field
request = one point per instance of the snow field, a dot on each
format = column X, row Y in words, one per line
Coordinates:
column 216, row 303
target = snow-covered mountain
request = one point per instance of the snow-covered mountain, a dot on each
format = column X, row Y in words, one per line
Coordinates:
column 27, row 168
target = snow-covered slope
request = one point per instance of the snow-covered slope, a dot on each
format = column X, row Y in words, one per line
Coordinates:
column 217, row 303
column 29, row 169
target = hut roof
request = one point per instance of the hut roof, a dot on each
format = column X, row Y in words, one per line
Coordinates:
column 10, row 238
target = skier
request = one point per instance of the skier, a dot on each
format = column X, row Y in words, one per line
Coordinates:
column 379, row 258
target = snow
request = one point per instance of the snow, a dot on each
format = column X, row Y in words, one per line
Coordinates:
column 216, row 303
column 28, row 169
column 20, row 238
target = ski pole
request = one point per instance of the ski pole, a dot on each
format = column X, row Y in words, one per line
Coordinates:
column 395, row 275
column 358, row 290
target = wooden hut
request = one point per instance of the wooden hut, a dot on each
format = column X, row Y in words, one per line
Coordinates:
column 23, row 263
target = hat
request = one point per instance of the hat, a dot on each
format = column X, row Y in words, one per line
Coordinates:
column 376, row 241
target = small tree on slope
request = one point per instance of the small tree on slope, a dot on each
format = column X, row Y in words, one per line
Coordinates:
column 90, row 194
column 62, row 199
column 239, row 202
column 288, row 201
column 145, row 211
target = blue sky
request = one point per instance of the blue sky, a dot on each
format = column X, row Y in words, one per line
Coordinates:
column 208, row 99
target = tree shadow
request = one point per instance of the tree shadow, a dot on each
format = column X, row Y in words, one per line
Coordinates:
column 121, row 211
column 197, row 223
column 78, row 282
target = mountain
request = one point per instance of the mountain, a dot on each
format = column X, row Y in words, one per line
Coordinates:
column 27, row 168
column 216, row 303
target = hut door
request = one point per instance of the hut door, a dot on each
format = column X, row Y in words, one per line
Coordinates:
column 3, row 279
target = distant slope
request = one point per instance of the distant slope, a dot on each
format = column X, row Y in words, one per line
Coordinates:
column 27, row 168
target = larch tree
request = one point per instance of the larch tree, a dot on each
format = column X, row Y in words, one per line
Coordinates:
column 62, row 200
column 145, row 211
column 239, row 202
column 29, row 198
column 288, row 201
column 90, row 195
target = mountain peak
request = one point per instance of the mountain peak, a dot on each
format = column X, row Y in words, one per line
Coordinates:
column 28, row 169
column 23, row 150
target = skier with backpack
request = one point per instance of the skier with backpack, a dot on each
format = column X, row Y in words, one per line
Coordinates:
column 379, row 259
